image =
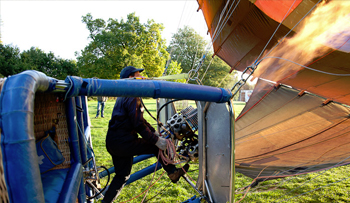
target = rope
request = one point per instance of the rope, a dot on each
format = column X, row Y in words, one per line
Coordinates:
column 296, row 72
column 267, row 135
column 266, row 177
column 251, row 184
column 318, row 188
column 218, row 24
column 282, row 105
column 171, row 157
column 192, row 72
column 323, row 130
column 256, row 103
column 226, row 19
column 238, row 85
column 222, row 80
column 279, row 41
column 221, row 14
column 86, row 141
column 145, row 190
column 276, row 31
column 256, row 63
column 207, row 68
column 334, row 74
column 166, row 186
column 333, row 137
column 195, row 55
column 166, row 160
column 193, row 7
column 303, row 172
column 168, row 62
column 150, row 184
column 315, row 62
column 155, row 169
column 70, row 87
column 182, row 14
column 263, row 97
column 322, row 172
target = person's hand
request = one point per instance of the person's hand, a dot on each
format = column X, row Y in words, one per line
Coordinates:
column 157, row 133
column 161, row 143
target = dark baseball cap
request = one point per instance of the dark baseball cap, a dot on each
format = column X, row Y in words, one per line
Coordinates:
column 125, row 73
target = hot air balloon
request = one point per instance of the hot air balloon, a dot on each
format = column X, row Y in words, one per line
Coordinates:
column 297, row 119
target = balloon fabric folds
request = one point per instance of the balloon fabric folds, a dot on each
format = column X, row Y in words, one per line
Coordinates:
column 297, row 119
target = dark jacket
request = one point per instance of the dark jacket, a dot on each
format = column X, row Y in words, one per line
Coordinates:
column 102, row 99
column 127, row 120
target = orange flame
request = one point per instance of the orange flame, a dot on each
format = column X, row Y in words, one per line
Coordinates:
column 322, row 27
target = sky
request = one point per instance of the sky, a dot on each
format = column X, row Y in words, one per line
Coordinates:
column 56, row 26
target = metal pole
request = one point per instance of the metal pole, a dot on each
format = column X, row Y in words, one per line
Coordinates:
column 135, row 160
column 206, row 185
column 194, row 187
column 204, row 152
column 232, row 129
column 204, row 165
column 144, row 172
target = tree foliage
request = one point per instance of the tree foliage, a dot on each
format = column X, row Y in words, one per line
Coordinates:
column 217, row 72
column 36, row 59
column 116, row 44
column 174, row 69
column 187, row 47
column 12, row 61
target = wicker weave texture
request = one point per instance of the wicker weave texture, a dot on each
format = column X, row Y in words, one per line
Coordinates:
column 3, row 188
column 49, row 113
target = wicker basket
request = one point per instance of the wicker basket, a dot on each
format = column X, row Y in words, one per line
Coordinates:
column 3, row 189
column 49, row 112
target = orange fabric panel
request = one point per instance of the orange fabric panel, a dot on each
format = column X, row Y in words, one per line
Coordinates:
column 249, row 29
column 209, row 9
column 283, row 133
column 277, row 9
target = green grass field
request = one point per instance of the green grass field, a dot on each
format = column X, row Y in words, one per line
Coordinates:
column 280, row 190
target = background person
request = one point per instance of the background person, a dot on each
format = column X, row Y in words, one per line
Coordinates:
column 101, row 103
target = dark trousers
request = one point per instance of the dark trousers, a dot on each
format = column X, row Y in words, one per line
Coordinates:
column 122, row 154
column 102, row 108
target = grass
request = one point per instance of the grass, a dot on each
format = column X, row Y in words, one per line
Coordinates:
column 279, row 190
column 169, row 192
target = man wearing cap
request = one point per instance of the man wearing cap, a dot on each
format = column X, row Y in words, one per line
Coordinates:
column 122, row 141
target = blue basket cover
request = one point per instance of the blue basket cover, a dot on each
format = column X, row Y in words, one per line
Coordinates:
column 49, row 155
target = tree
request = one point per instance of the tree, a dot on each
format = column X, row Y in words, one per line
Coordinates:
column 173, row 69
column 1, row 24
column 188, row 48
column 217, row 73
column 116, row 44
column 10, row 60
column 13, row 62
column 36, row 59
